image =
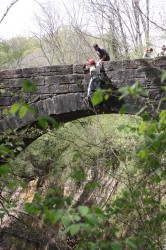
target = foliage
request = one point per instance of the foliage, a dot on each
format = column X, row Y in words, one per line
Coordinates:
column 13, row 51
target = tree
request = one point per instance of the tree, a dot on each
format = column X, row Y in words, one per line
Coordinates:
column 63, row 41
column 15, row 50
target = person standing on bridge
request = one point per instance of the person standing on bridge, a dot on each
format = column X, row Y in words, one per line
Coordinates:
column 102, row 54
column 148, row 53
column 95, row 76
column 163, row 51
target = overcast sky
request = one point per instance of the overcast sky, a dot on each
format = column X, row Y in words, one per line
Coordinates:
column 20, row 19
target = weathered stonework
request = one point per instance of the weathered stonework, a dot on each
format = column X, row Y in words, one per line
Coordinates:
column 61, row 88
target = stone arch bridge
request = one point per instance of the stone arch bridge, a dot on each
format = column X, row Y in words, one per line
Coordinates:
column 61, row 89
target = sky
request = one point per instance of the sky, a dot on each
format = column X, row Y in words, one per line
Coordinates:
column 19, row 20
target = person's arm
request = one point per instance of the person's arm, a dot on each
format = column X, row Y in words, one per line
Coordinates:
column 151, row 55
column 91, row 73
column 103, row 58
column 144, row 55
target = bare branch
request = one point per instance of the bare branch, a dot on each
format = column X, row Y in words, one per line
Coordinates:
column 7, row 10
column 158, row 26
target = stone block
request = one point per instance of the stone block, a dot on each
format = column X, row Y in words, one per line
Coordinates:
column 64, row 79
column 147, row 72
column 3, row 126
column 16, row 83
column 76, row 79
column 76, row 88
column 160, row 61
column 53, row 89
column 29, row 72
column 121, row 74
column 135, row 64
column 78, row 68
column 60, row 69
column 4, row 83
column 5, row 101
column 28, row 119
column 39, row 80
column 154, row 94
column 50, row 106
column 14, row 123
column 79, row 99
column 33, row 98
column 41, row 108
column 9, row 74
column 113, row 65
column 59, row 104
column 156, row 82
column 56, row 80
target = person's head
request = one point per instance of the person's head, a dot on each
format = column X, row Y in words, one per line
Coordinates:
column 149, row 50
column 91, row 62
column 96, row 47
column 163, row 48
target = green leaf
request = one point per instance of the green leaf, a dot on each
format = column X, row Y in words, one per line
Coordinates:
column 4, row 150
column 74, row 229
column 125, row 108
column 54, row 215
column 163, row 117
column 32, row 208
column 142, row 153
column 97, row 97
column 91, row 219
column 163, row 76
column 98, row 210
column 31, row 110
column 116, row 246
column 29, row 86
column 134, row 90
column 164, row 88
column 124, row 92
column 78, row 176
column 91, row 186
column 2, row 91
column 83, row 210
column 2, row 215
column 14, row 108
column 142, row 127
column 12, row 185
column 76, row 218
column 131, row 244
column 4, row 169
column 66, row 220
column 23, row 110
column 106, row 97
column 37, row 197
column 44, row 121
column 86, row 227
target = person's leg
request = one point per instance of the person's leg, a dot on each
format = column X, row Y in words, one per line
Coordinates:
column 98, row 83
column 89, row 87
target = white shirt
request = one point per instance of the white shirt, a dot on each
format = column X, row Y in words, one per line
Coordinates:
column 95, row 70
